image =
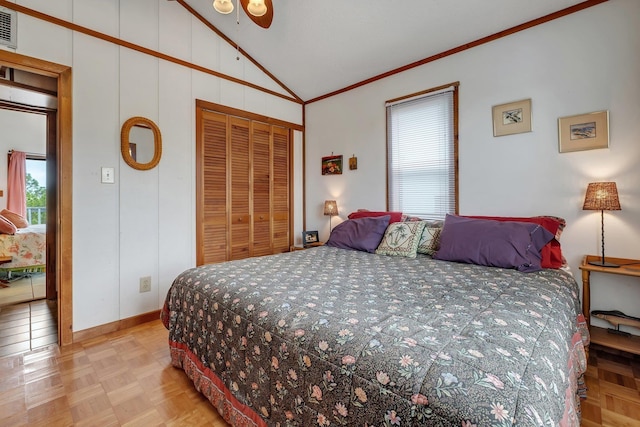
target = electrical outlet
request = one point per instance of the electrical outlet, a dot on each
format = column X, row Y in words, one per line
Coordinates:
column 145, row 284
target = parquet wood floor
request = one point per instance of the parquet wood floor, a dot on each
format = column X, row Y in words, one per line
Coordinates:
column 613, row 389
column 121, row 379
column 27, row 326
column 125, row 378
column 22, row 288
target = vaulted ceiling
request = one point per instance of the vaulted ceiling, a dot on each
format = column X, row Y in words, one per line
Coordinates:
column 317, row 47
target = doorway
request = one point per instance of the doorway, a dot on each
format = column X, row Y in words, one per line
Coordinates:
column 59, row 183
column 28, row 301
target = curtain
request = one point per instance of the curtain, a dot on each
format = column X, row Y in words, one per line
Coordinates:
column 17, row 183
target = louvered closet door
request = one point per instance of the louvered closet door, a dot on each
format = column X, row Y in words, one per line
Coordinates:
column 243, row 192
column 281, row 187
column 261, row 161
column 212, row 183
column 240, row 213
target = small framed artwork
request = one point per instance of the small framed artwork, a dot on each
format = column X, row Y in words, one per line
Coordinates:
column 353, row 162
column 309, row 237
column 514, row 117
column 332, row 165
column 583, row 132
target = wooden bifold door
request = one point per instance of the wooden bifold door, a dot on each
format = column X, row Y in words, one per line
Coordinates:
column 243, row 170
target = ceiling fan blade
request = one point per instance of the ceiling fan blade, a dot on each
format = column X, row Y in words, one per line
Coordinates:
column 265, row 20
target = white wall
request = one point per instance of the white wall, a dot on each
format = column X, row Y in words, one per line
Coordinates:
column 144, row 224
column 22, row 132
column 584, row 62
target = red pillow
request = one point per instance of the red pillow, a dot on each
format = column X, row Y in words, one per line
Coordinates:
column 6, row 226
column 551, row 252
column 395, row 216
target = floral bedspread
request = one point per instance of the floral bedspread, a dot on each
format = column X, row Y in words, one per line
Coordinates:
column 27, row 247
column 328, row 336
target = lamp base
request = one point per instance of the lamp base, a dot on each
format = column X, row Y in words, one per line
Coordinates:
column 604, row 264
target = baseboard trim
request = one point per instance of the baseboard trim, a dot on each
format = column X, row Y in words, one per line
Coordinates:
column 118, row 325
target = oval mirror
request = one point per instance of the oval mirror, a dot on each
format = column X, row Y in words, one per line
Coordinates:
column 141, row 143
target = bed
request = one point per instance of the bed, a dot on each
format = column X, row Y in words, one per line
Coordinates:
column 330, row 336
column 27, row 249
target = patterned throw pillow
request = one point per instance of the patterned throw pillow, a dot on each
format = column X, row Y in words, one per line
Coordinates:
column 430, row 240
column 401, row 239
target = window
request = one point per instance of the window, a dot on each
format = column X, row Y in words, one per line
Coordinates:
column 422, row 176
column 36, row 187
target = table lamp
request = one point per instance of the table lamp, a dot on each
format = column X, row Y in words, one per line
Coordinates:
column 331, row 209
column 602, row 196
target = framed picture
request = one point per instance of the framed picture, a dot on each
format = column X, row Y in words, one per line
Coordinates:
column 514, row 117
column 309, row 237
column 583, row 132
column 353, row 163
column 332, row 165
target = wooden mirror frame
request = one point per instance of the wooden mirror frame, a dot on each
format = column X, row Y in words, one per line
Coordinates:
column 124, row 143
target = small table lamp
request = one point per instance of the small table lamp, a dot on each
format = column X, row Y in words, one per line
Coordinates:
column 331, row 209
column 602, row 196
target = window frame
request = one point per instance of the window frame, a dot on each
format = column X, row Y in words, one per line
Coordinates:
column 39, row 158
column 425, row 93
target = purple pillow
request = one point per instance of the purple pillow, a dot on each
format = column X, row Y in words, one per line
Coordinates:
column 362, row 234
column 493, row 243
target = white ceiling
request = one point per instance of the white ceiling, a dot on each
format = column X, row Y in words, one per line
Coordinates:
column 317, row 47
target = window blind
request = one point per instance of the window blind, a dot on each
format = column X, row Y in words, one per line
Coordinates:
column 421, row 155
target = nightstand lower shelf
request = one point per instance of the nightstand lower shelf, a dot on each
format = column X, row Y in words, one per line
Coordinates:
column 601, row 336
column 301, row 248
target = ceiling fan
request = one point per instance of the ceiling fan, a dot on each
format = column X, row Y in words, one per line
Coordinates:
column 259, row 11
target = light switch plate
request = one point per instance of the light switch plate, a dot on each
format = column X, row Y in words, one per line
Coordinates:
column 108, row 175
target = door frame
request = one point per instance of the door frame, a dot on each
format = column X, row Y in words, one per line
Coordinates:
column 63, row 162
column 51, row 117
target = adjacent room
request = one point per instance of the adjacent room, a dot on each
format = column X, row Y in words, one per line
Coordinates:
column 27, row 306
column 279, row 212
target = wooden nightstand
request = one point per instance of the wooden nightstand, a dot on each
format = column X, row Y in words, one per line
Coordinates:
column 301, row 248
column 628, row 267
